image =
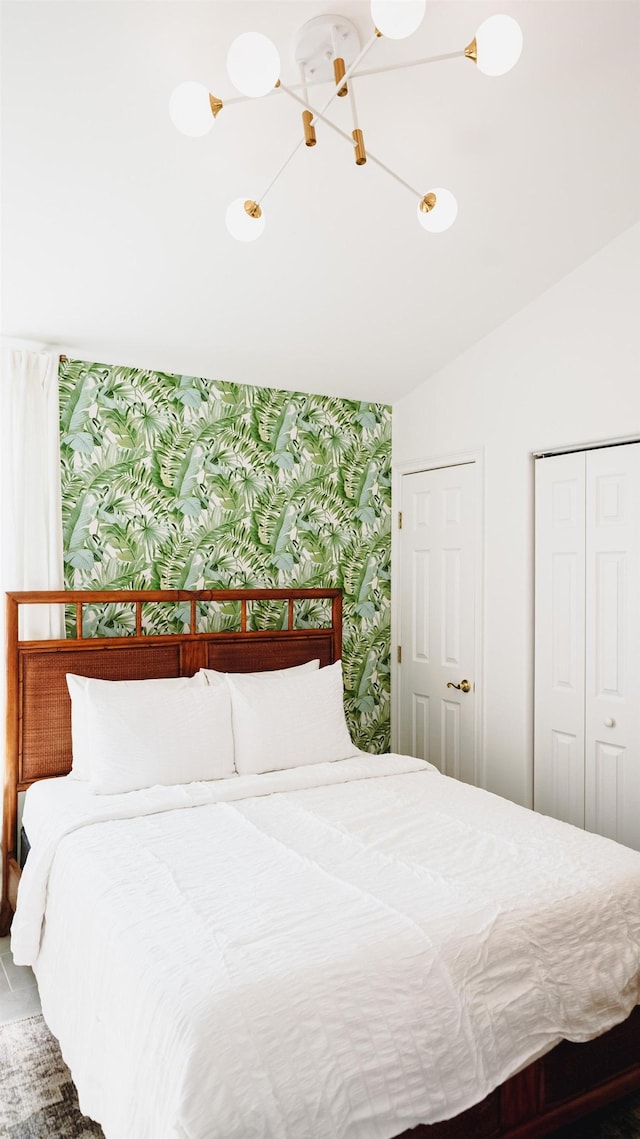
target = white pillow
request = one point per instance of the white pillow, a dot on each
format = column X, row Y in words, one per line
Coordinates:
column 80, row 739
column 281, row 722
column 146, row 736
column 214, row 677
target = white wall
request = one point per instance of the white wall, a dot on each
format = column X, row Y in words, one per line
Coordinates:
column 564, row 370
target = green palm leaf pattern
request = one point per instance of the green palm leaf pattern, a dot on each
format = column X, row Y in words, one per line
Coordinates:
column 178, row 482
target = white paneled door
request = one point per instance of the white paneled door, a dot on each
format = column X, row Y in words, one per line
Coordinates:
column 560, row 637
column 587, row 696
column 437, row 619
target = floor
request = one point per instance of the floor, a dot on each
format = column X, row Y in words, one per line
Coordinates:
column 19, row 995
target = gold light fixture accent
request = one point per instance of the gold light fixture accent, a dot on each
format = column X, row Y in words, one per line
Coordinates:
column 328, row 51
column 360, row 152
column 427, row 203
column 309, row 129
column 338, row 74
column 471, row 50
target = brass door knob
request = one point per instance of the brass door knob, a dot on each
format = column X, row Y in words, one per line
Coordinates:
column 463, row 686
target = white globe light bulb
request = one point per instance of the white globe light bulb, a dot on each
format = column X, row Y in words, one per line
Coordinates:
column 241, row 224
column 190, row 109
column 253, row 64
column 498, row 44
column 442, row 214
column 397, row 19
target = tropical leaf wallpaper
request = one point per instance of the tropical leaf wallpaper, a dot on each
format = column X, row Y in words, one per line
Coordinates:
column 174, row 482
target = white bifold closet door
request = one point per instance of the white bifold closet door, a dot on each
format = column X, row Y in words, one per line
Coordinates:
column 587, row 640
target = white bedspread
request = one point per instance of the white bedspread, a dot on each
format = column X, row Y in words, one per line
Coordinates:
column 335, row 952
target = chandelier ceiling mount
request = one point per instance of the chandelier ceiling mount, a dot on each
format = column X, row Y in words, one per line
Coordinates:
column 321, row 41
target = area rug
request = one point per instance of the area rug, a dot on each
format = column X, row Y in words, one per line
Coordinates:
column 38, row 1098
column 620, row 1121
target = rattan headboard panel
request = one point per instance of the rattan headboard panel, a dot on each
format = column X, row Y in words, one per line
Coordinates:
column 255, row 654
column 45, row 747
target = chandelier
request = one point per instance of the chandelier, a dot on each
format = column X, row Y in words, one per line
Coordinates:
column 328, row 50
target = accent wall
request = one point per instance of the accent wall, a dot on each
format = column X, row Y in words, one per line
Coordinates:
column 177, row 482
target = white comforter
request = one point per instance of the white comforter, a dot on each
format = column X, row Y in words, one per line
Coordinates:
column 335, row 952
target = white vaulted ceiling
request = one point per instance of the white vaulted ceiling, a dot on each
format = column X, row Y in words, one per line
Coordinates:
column 114, row 241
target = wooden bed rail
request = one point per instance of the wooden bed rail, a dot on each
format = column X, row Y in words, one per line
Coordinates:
column 38, row 719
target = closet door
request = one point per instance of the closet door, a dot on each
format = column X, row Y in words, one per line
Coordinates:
column 612, row 712
column 587, row 640
column 559, row 741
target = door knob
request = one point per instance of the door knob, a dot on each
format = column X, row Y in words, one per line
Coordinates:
column 463, row 686
column 609, row 722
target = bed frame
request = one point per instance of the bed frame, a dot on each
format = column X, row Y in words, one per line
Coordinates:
column 562, row 1086
column 38, row 740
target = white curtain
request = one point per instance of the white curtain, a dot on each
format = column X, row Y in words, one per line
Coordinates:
column 30, row 501
column 31, row 532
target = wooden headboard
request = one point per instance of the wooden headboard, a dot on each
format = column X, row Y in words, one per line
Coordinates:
column 38, row 739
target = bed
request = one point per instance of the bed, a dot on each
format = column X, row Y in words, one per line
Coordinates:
column 321, row 943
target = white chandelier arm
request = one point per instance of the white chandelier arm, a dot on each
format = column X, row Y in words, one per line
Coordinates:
column 356, row 133
column 392, row 174
column 354, row 109
column 303, row 85
column 286, row 162
column 291, row 91
column 367, row 47
column 307, row 118
column 355, row 75
column 343, row 134
column 409, row 63
column 350, row 70
column 338, row 63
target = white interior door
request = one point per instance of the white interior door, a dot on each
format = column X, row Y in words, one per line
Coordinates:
column 560, row 637
column 612, row 712
column 437, row 619
column 587, row 640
